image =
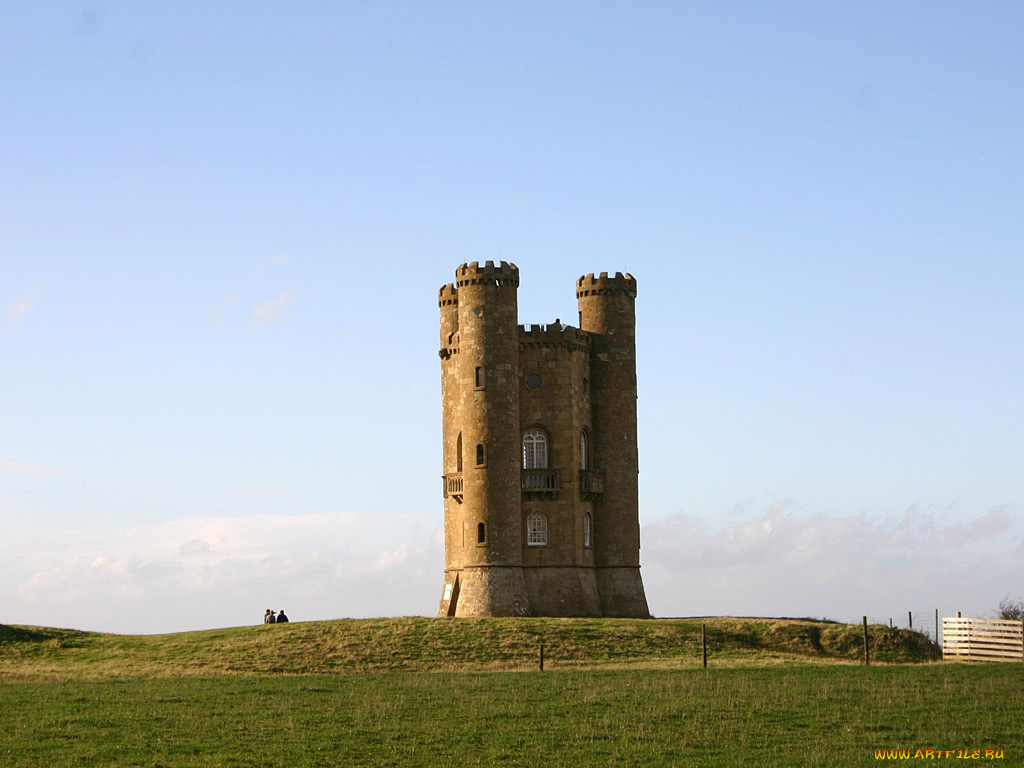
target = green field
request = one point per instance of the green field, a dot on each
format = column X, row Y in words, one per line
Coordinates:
column 628, row 693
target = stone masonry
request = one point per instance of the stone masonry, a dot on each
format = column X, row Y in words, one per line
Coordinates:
column 540, row 452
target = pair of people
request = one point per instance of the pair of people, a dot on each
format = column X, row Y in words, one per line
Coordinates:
column 271, row 618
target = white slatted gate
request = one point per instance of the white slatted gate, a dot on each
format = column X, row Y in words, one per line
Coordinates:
column 969, row 639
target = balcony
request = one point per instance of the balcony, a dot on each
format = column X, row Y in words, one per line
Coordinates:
column 591, row 484
column 540, row 482
column 453, row 486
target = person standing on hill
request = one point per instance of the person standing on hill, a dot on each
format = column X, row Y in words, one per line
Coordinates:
column 268, row 617
column 281, row 618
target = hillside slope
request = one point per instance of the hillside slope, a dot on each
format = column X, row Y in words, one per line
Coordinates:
column 348, row 646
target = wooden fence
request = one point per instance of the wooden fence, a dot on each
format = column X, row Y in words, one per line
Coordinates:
column 967, row 639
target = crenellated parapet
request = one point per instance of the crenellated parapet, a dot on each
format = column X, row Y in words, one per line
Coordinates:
column 589, row 285
column 448, row 301
column 449, row 346
column 448, row 296
column 505, row 273
column 552, row 336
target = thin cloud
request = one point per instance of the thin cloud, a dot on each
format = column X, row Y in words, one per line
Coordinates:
column 219, row 312
column 16, row 312
column 280, row 258
column 271, row 310
column 263, row 313
column 10, row 468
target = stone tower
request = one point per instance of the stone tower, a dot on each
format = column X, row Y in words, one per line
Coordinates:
column 540, row 454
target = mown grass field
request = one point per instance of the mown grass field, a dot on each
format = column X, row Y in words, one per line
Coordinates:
column 777, row 694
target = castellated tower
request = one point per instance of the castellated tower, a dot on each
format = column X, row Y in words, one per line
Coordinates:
column 540, row 455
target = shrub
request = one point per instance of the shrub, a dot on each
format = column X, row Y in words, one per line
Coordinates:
column 1011, row 609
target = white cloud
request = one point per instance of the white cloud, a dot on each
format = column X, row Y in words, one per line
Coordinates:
column 779, row 563
column 207, row 572
column 271, row 310
column 10, row 468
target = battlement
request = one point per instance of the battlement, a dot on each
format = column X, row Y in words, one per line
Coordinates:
column 588, row 285
column 553, row 335
column 505, row 273
column 448, row 296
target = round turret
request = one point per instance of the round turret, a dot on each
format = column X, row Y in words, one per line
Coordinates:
column 608, row 313
column 483, row 532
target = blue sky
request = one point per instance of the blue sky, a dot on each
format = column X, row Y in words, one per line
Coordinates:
column 223, row 226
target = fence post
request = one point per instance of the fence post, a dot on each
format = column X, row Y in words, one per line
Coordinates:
column 890, row 623
column 937, row 626
column 867, row 653
column 541, row 655
column 910, row 619
column 704, row 643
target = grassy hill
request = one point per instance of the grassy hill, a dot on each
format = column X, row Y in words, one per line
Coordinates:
column 465, row 645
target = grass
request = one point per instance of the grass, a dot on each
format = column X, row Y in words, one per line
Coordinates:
column 421, row 644
column 422, row 692
column 794, row 715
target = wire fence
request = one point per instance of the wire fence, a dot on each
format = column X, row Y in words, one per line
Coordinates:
column 927, row 621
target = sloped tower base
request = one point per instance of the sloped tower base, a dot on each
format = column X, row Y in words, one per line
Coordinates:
column 485, row 591
column 622, row 593
column 566, row 591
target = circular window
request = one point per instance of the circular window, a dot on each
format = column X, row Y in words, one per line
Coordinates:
column 533, row 381
column 478, row 311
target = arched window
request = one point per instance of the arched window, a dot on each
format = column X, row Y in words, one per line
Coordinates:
column 458, row 453
column 481, row 533
column 584, row 455
column 586, row 530
column 479, row 454
column 537, row 530
column 535, row 450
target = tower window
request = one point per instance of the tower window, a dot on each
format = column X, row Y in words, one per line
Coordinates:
column 535, row 450
column 479, row 381
column 480, row 454
column 537, row 530
column 533, row 381
column 458, row 453
column 584, row 446
column 586, row 531
column 481, row 533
